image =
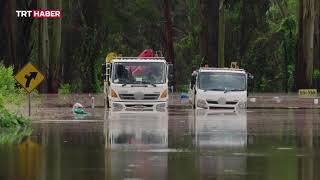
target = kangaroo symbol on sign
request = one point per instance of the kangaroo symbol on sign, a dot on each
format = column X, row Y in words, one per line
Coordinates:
column 29, row 77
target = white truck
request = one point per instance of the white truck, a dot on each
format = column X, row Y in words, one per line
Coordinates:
column 219, row 88
column 132, row 83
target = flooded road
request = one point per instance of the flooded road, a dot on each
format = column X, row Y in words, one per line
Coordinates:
column 178, row 144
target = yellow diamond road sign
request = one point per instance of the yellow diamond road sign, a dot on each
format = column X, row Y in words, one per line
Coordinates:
column 29, row 77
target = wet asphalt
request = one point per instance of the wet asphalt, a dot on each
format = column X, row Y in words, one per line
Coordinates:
column 262, row 144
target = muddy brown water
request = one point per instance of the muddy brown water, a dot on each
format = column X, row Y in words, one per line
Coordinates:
column 177, row 144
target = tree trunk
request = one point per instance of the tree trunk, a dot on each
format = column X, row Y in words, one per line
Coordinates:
column 203, row 40
column 43, row 47
column 25, row 42
column 221, row 61
column 246, row 28
column 309, row 39
column 283, row 6
column 304, row 65
column 10, row 32
column 55, row 61
column 317, row 41
column 213, row 32
column 168, row 32
column 285, row 67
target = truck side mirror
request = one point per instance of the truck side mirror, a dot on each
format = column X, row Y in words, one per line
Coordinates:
column 103, row 71
column 250, row 76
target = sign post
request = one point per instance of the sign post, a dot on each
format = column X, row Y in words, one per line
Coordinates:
column 29, row 104
column 29, row 78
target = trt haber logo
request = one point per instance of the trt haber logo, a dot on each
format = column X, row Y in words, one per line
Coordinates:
column 39, row 13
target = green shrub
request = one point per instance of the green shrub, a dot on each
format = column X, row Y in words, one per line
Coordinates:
column 184, row 89
column 10, row 96
column 64, row 89
column 316, row 74
column 76, row 87
column 9, row 119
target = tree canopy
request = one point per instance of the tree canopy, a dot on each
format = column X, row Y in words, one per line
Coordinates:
column 275, row 40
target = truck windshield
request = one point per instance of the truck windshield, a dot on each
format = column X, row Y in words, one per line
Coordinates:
column 222, row 81
column 139, row 73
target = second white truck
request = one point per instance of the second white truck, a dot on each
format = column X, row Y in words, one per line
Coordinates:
column 219, row 88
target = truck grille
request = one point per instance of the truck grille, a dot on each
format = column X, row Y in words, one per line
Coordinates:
column 151, row 96
column 127, row 96
column 227, row 103
column 145, row 97
column 212, row 102
column 139, row 105
column 231, row 102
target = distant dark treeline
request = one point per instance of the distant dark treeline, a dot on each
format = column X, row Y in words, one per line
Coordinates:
column 275, row 40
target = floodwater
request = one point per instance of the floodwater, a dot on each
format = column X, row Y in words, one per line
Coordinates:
column 178, row 144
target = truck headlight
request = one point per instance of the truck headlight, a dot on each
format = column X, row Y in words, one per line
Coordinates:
column 114, row 94
column 164, row 94
column 161, row 107
column 202, row 104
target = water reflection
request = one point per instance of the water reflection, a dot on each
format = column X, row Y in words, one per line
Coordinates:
column 221, row 129
column 136, row 130
column 224, row 131
column 283, row 144
column 14, row 136
column 55, row 151
column 179, row 144
column 213, row 134
column 134, row 142
column 308, row 166
column 137, row 144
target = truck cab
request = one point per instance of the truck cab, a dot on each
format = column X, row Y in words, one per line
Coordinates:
column 137, row 83
column 219, row 88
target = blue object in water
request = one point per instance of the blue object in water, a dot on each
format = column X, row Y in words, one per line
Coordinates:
column 184, row 96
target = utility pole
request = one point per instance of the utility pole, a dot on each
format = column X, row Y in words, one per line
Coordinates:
column 168, row 33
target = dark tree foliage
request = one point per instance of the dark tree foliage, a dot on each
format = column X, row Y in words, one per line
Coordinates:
column 261, row 35
column 253, row 21
column 15, row 34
